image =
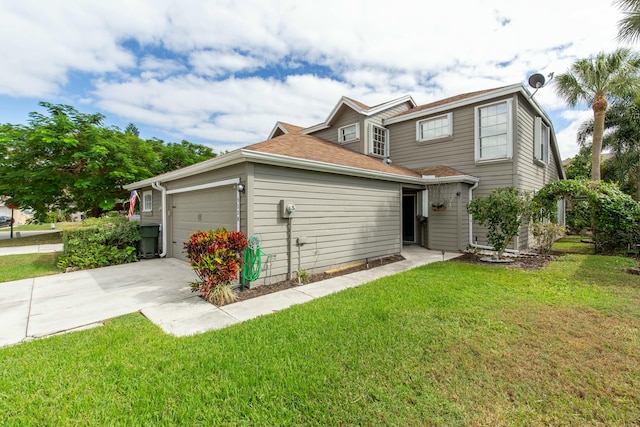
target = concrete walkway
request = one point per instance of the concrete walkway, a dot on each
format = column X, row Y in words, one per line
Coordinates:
column 159, row 289
column 32, row 249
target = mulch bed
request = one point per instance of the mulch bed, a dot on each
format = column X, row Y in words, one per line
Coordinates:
column 521, row 261
column 288, row 284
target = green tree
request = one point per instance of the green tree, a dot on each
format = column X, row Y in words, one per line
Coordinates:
column 178, row 155
column 70, row 161
column 579, row 166
column 594, row 81
column 132, row 130
column 503, row 212
column 622, row 138
column 629, row 25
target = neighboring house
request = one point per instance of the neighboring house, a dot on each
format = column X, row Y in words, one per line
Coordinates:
column 364, row 182
column 20, row 217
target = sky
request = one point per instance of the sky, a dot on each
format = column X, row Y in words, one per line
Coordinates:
column 222, row 73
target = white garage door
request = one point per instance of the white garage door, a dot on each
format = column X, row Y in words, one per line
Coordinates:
column 201, row 210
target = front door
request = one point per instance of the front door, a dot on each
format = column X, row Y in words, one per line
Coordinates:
column 409, row 218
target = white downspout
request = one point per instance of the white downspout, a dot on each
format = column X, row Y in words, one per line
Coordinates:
column 471, row 244
column 157, row 186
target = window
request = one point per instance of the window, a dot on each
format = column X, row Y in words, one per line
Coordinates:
column 493, row 131
column 434, row 128
column 147, row 201
column 379, row 141
column 541, row 137
column 349, row 133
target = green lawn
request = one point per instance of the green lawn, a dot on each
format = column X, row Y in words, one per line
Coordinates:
column 575, row 245
column 448, row 344
column 16, row 267
column 38, row 239
column 45, row 226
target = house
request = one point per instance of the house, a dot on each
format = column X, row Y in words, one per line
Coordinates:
column 363, row 182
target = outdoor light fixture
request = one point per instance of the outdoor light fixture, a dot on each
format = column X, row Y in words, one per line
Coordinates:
column 241, row 188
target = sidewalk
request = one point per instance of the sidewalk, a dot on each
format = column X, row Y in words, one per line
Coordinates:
column 159, row 289
column 33, row 249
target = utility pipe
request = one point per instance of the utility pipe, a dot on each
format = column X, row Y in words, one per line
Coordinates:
column 156, row 186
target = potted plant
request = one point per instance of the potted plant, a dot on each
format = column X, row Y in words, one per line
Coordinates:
column 439, row 205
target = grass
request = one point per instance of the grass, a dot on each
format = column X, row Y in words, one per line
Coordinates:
column 446, row 344
column 16, row 267
column 36, row 239
column 45, row 226
column 575, row 245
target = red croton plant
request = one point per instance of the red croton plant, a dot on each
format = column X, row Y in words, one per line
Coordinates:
column 216, row 257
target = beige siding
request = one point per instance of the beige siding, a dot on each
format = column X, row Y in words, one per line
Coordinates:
column 343, row 219
column 458, row 152
column 344, row 117
column 155, row 216
column 449, row 229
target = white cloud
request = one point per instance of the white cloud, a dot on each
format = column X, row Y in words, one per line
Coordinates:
column 168, row 64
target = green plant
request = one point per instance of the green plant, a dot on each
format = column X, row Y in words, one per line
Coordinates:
column 50, row 217
column 304, row 276
column 215, row 256
column 545, row 234
column 105, row 241
column 503, row 212
column 614, row 215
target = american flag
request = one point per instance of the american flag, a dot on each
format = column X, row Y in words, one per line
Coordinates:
column 132, row 201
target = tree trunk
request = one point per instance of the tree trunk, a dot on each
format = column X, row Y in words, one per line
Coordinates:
column 599, row 107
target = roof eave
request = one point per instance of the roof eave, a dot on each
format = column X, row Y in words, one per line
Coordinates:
column 220, row 161
column 318, row 166
column 466, row 179
column 507, row 90
column 358, row 109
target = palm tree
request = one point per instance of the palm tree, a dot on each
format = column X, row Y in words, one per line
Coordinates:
column 594, row 81
column 622, row 127
column 629, row 25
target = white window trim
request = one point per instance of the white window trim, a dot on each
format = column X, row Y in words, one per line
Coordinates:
column 476, row 119
column 357, row 137
column 419, row 127
column 538, row 156
column 146, row 208
column 386, row 141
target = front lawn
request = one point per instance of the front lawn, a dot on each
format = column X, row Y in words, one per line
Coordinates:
column 37, row 239
column 16, row 267
column 448, row 344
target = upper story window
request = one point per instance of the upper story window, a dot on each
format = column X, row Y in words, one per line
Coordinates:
column 541, row 139
column 434, row 128
column 494, row 134
column 379, row 141
column 147, row 201
column 349, row 133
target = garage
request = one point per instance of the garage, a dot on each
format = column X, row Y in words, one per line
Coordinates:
column 203, row 210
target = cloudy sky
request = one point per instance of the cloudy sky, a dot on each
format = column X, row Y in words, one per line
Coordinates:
column 223, row 72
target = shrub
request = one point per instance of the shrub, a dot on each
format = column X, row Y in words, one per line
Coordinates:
column 503, row 211
column 614, row 215
column 545, row 234
column 99, row 243
column 215, row 256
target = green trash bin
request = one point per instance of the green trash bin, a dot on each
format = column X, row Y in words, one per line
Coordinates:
column 149, row 240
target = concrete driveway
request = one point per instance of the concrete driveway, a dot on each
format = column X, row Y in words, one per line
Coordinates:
column 32, row 308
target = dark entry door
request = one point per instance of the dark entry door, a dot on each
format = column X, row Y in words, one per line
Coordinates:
column 409, row 218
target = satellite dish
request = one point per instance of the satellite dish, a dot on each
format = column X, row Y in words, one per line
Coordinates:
column 536, row 81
